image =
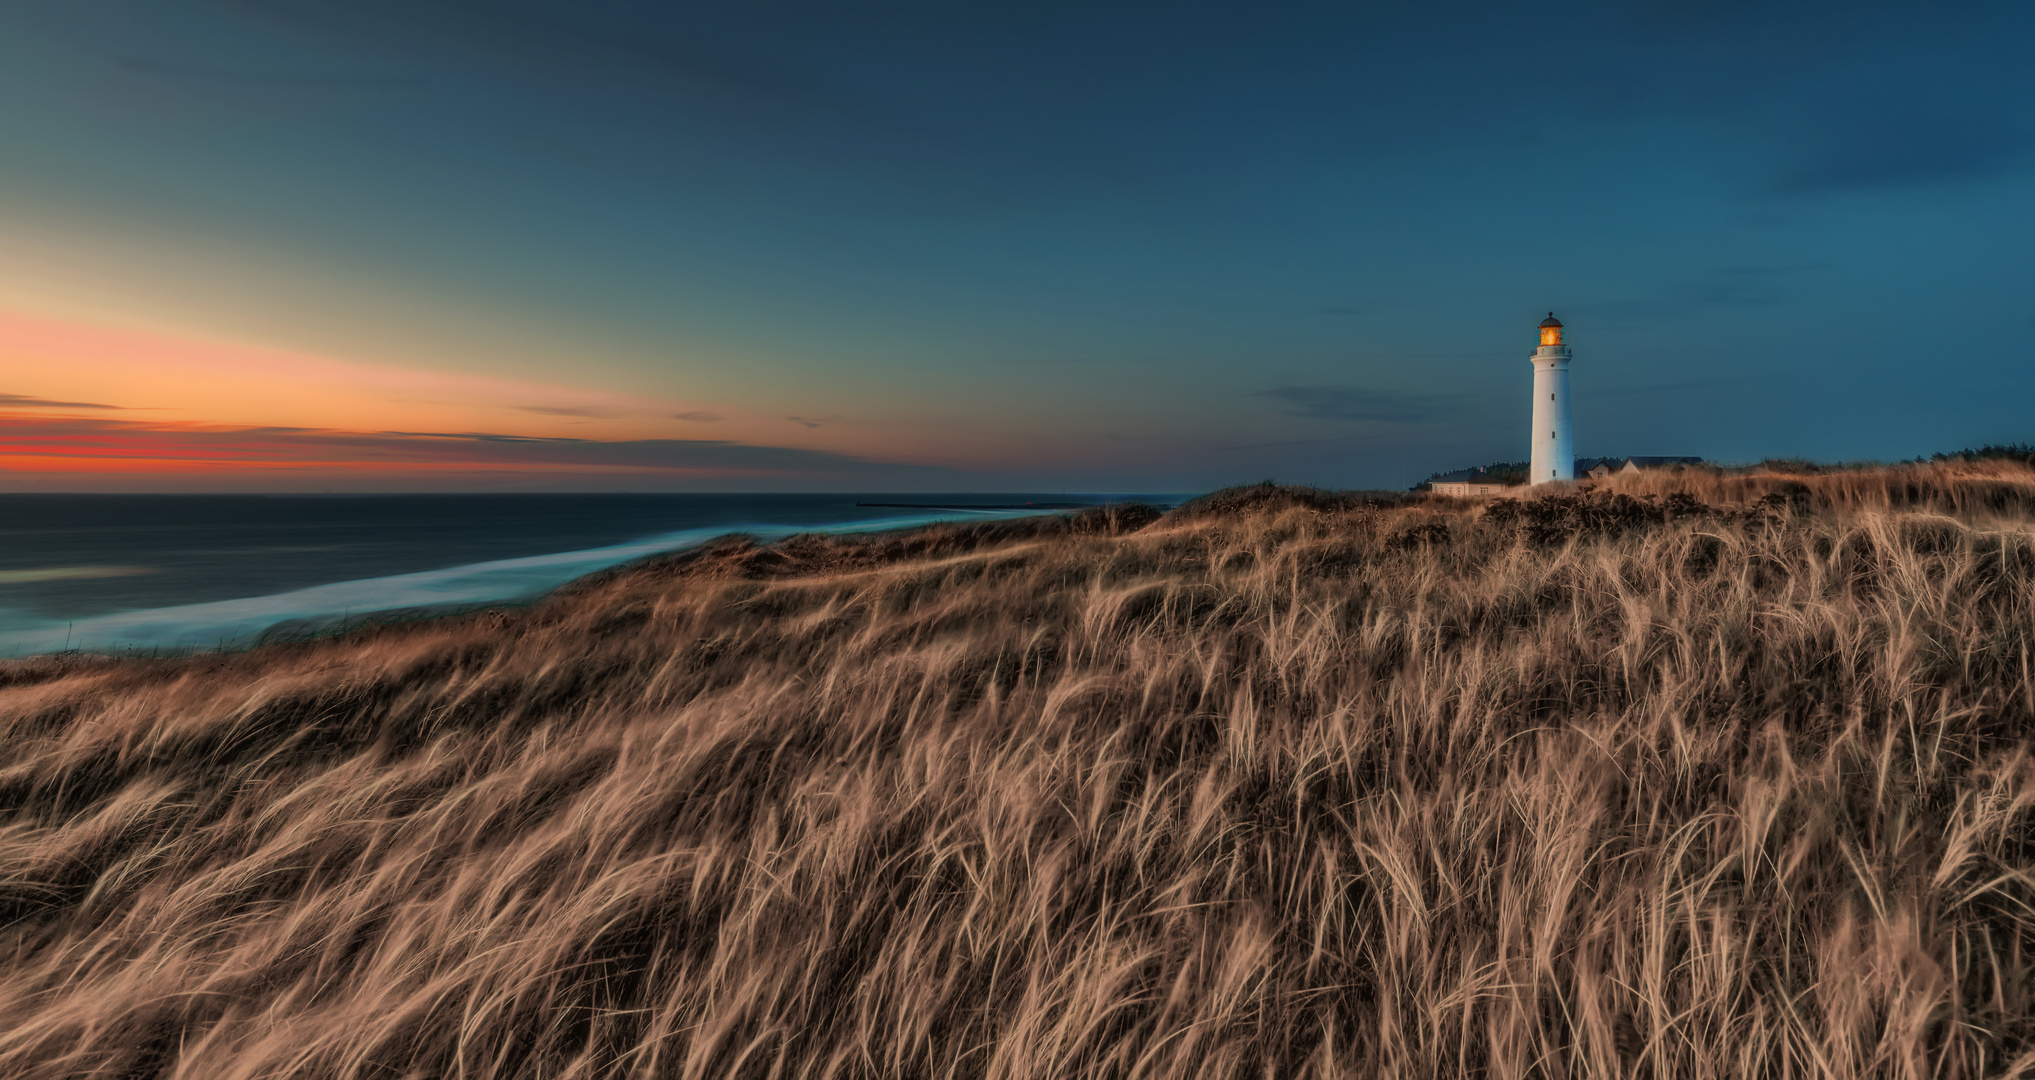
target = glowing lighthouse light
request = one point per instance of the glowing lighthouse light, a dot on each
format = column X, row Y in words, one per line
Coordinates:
column 1554, row 452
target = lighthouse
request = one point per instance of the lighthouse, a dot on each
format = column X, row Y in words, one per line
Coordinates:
column 1554, row 451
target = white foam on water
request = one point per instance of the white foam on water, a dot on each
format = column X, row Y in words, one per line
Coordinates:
column 226, row 624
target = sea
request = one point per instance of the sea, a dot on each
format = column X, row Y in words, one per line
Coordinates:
column 170, row 574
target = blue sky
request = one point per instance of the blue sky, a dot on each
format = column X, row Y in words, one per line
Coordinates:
column 1040, row 246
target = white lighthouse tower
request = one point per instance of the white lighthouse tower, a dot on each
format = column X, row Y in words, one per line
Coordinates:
column 1554, row 451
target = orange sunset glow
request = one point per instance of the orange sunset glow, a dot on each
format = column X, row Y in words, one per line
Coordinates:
column 226, row 382
column 88, row 399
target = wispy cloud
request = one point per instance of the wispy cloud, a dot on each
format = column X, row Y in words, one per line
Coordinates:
column 653, row 50
column 1364, row 404
column 261, row 80
column 591, row 412
column 1689, row 386
column 237, row 384
column 23, row 401
column 1291, row 442
column 698, row 416
column 1750, row 285
column 1360, row 306
column 1089, row 361
column 54, row 444
column 482, row 436
column 1871, row 145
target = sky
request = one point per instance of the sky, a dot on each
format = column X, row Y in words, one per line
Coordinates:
column 502, row 245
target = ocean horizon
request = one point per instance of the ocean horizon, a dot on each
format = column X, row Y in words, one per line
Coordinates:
column 127, row 574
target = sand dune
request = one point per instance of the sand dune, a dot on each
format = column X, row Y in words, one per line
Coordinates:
column 1689, row 776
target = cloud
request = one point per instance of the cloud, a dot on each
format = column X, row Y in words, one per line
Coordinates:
column 591, row 412
column 1748, row 285
column 483, row 436
column 1879, row 146
column 23, row 401
column 1359, row 306
column 699, row 416
column 1688, row 386
column 1291, row 442
column 811, row 421
column 99, row 445
column 256, row 89
column 1358, row 403
column 581, row 44
column 202, row 76
column 1090, row 361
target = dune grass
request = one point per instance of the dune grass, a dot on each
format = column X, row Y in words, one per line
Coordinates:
column 1687, row 776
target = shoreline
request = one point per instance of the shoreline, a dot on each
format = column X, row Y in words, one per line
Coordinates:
column 242, row 622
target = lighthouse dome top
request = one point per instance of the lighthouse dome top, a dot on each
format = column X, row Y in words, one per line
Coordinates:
column 1550, row 322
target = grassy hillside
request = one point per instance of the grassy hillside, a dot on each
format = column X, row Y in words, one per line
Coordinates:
column 1687, row 777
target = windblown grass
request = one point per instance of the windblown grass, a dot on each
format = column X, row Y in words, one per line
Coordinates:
column 1689, row 777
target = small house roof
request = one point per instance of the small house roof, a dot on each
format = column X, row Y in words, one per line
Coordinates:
column 1657, row 462
column 1479, row 475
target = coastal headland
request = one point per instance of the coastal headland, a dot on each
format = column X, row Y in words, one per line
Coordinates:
column 1677, row 774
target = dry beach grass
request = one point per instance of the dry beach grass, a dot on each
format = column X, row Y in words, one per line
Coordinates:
column 1691, row 776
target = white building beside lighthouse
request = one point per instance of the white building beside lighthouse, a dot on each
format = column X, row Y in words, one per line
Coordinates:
column 1554, row 448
